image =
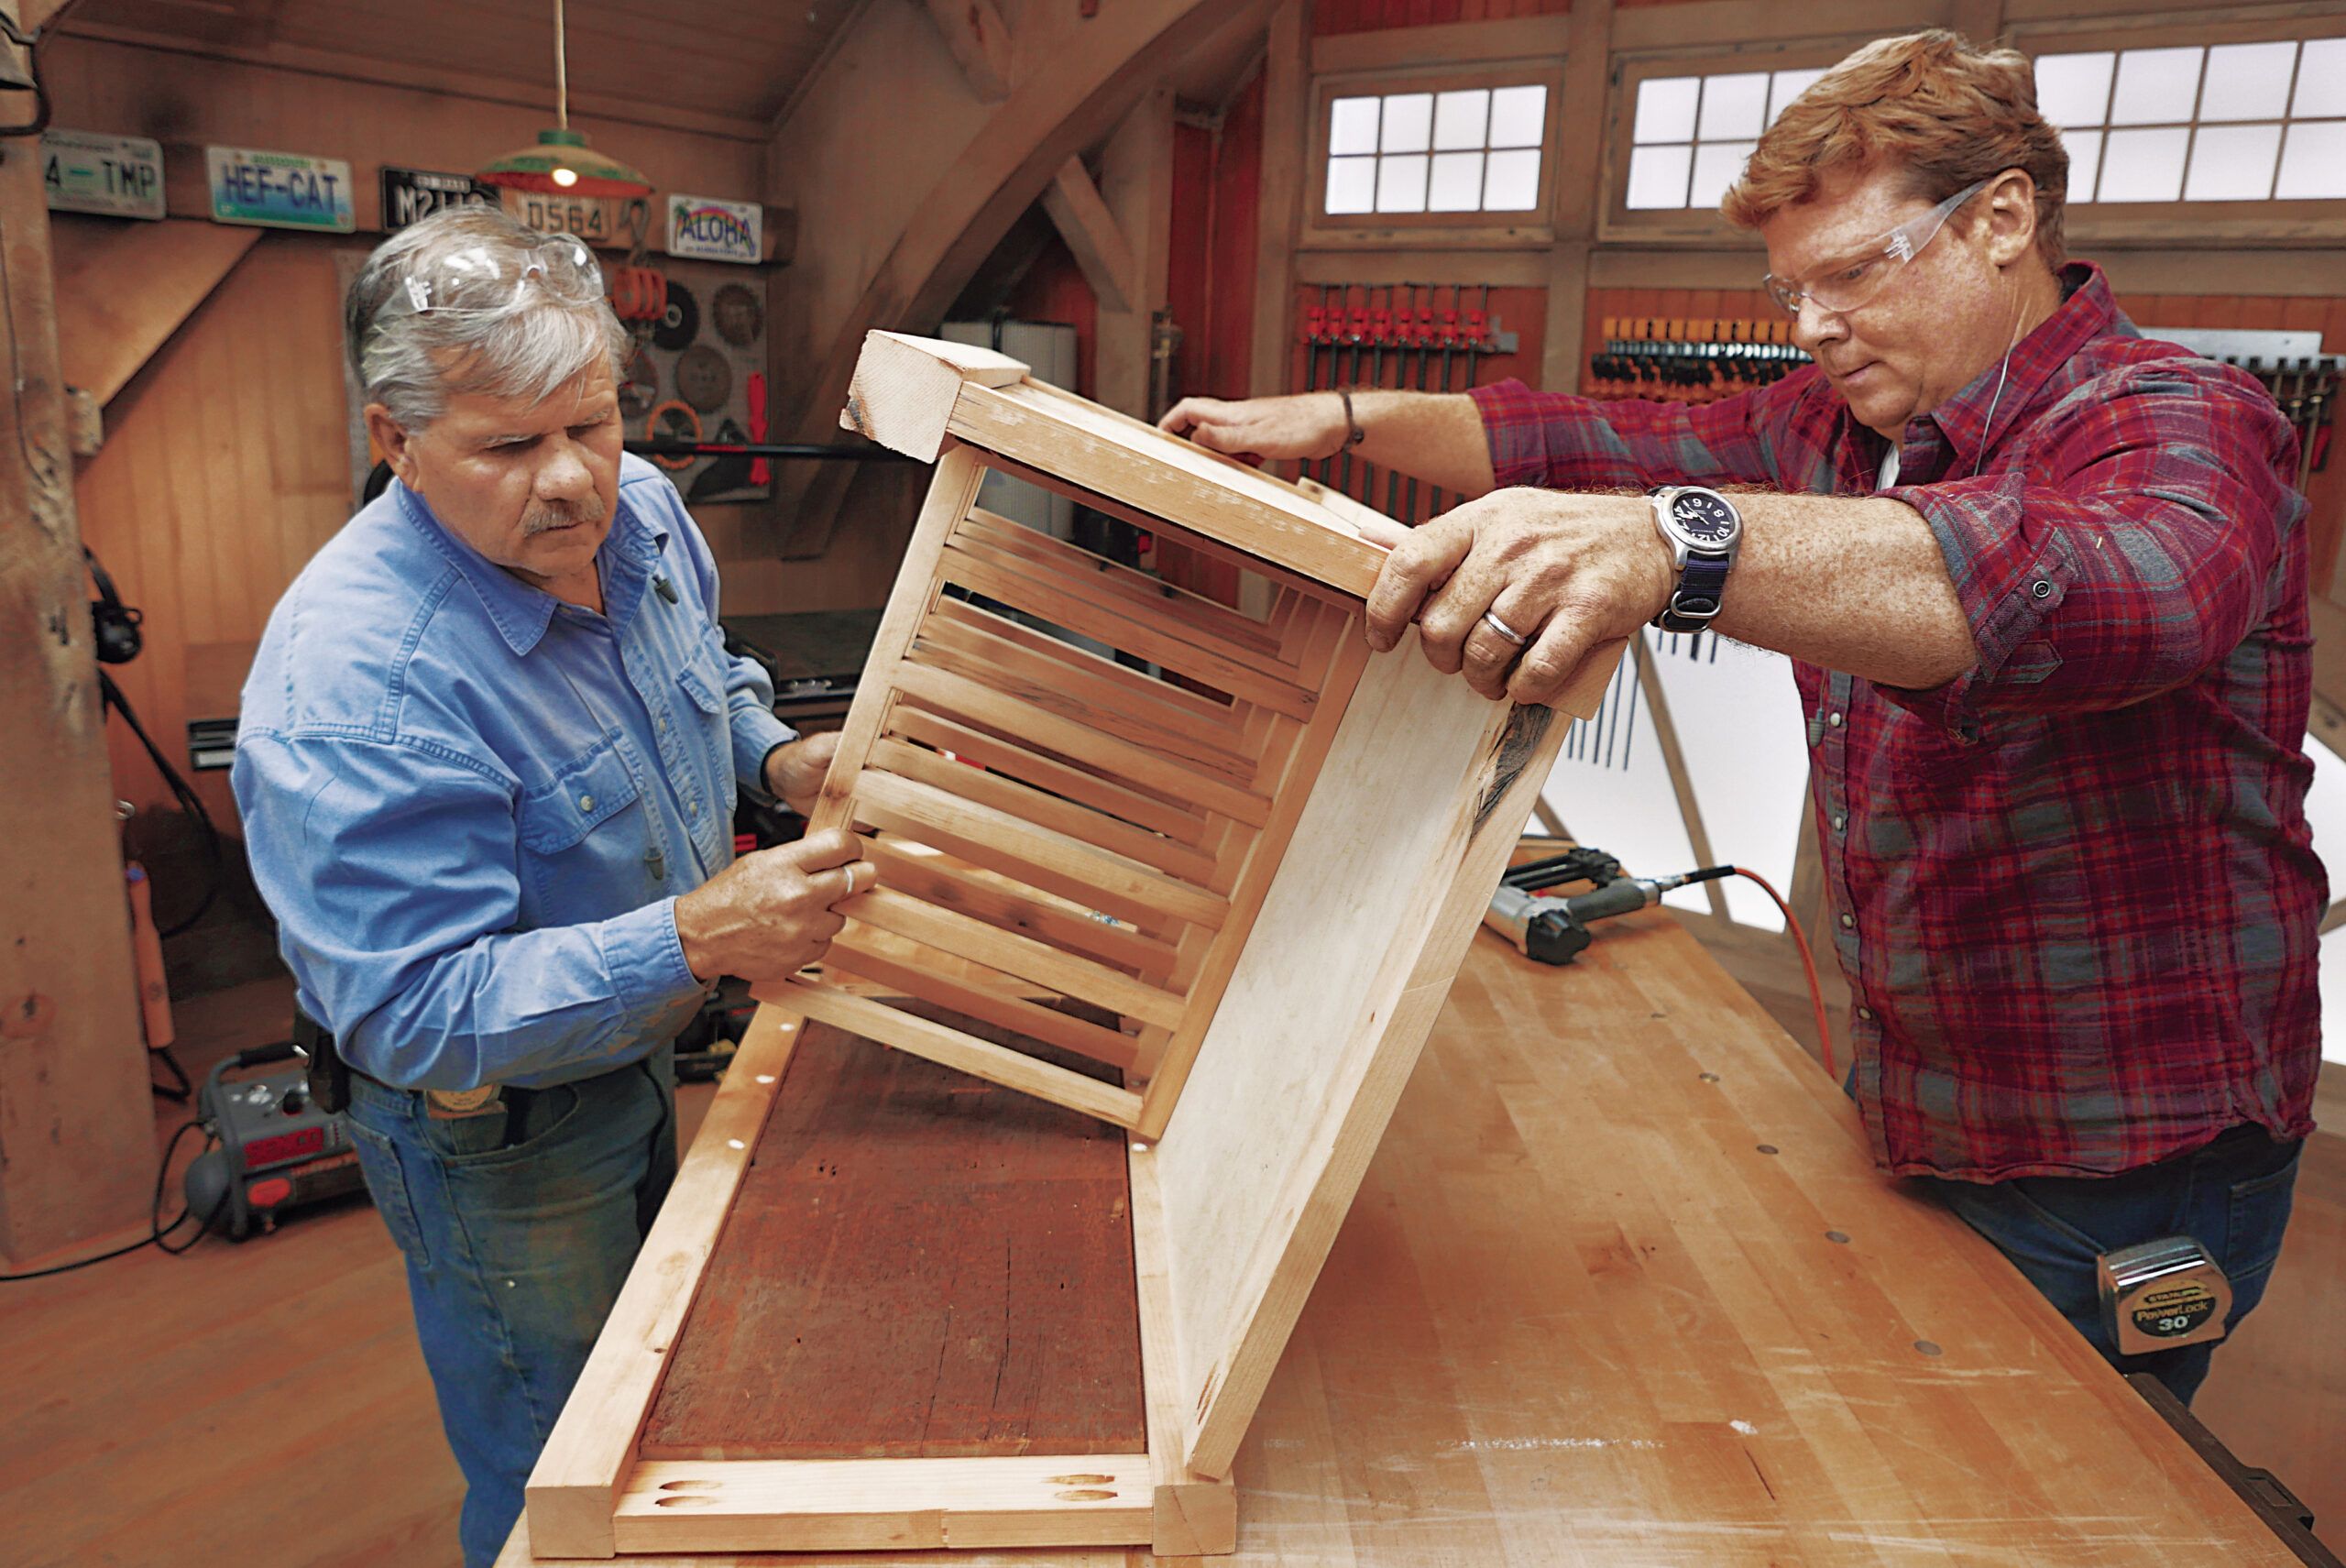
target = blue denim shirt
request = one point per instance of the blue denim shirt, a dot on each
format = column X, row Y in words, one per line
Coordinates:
column 471, row 806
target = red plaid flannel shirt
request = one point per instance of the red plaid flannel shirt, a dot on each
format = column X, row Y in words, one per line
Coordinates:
column 2074, row 890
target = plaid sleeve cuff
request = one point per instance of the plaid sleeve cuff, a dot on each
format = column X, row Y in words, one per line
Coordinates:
column 1514, row 422
column 2007, row 582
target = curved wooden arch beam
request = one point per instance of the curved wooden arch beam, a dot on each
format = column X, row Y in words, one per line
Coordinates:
column 1095, row 72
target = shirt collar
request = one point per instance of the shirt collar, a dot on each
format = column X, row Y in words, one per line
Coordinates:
column 521, row 613
column 2011, row 386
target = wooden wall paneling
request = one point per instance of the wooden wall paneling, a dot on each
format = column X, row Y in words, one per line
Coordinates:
column 126, row 89
column 124, row 289
column 75, row 1140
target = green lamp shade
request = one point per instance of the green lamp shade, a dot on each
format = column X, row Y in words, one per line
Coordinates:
column 564, row 153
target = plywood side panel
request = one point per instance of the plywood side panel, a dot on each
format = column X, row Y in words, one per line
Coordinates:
column 1295, row 1078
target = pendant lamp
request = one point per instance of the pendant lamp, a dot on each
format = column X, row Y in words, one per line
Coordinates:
column 560, row 161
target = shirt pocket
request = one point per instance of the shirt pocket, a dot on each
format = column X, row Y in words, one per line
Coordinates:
column 702, row 680
column 586, row 841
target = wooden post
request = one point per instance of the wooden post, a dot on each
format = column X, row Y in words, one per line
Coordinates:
column 1286, row 86
column 77, row 1151
column 1136, row 187
column 1579, row 190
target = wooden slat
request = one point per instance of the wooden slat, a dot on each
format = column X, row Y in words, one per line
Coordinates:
column 850, row 1505
column 1061, row 607
column 1003, row 756
column 578, row 1478
column 959, row 697
column 1047, row 811
column 853, row 955
column 1168, row 477
column 1208, row 718
column 964, row 937
column 1036, row 667
column 962, row 1052
column 940, row 880
column 1200, row 619
column 951, row 492
column 1052, row 861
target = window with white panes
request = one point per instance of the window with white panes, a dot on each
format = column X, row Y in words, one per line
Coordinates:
column 1470, row 149
column 1690, row 135
column 2244, row 122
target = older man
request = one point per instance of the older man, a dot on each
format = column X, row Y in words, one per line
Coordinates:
column 486, row 763
column 2043, row 586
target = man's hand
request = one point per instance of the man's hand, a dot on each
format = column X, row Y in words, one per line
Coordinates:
column 1309, row 424
column 795, row 771
column 1572, row 572
column 768, row 916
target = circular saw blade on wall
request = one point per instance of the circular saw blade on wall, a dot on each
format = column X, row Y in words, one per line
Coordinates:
column 707, row 359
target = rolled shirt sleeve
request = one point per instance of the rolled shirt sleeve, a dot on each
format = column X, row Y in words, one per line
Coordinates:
column 1557, row 441
column 393, row 870
column 2136, row 548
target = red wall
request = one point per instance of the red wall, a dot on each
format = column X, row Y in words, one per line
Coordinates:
column 1054, row 291
column 1330, row 16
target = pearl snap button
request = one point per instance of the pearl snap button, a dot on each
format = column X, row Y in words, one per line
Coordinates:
column 586, row 802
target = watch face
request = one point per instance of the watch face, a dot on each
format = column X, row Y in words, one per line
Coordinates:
column 1702, row 518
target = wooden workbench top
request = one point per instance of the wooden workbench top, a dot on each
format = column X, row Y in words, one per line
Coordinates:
column 1623, row 1289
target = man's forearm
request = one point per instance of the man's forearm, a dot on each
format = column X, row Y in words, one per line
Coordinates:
column 1437, row 437
column 1850, row 583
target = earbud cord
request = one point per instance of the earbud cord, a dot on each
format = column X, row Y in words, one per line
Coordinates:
column 1987, row 426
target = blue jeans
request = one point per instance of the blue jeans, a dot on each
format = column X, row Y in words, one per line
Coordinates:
column 2231, row 1196
column 519, row 1227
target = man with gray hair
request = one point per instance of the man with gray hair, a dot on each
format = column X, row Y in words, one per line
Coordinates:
column 487, row 765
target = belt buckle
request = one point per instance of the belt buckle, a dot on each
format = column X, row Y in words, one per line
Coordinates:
column 454, row 1105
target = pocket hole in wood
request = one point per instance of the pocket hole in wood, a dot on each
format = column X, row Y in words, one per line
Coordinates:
column 687, row 1502
column 690, row 1485
column 1081, row 1480
column 1082, row 1495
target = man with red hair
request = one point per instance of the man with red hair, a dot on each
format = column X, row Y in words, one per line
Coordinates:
column 2043, row 583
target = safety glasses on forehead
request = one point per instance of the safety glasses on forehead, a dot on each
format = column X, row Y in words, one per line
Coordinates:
column 1854, row 280
column 482, row 279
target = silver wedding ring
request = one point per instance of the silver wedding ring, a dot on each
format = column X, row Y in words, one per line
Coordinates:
column 853, row 868
column 1503, row 630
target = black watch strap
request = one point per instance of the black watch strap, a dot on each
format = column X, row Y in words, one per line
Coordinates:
column 1701, row 584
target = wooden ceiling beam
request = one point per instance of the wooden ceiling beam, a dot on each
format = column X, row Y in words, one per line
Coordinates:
column 431, row 79
column 980, row 43
column 1083, row 221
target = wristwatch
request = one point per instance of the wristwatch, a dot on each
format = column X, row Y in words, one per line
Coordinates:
column 1703, row 530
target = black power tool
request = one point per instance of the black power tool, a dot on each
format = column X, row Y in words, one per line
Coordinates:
column 1553, row 930
column 276, row 1148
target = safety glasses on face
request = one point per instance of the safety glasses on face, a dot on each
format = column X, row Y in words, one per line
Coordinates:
column 486, row 278
column 1855, row 281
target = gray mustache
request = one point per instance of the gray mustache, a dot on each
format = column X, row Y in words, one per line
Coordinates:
column 544, row 518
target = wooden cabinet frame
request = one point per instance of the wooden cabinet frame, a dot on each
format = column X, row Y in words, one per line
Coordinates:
column 1274, row 888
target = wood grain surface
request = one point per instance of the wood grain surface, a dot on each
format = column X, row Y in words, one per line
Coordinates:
column 1580, row 1317
column 919, row 1264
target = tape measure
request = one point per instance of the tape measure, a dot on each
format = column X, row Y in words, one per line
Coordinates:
column 2163, row 1295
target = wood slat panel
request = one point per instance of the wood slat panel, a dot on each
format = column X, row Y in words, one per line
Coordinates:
column 1207, row 717
column 1010, row 953
column 1034, row 667
column 959, row 697
column 854, row 954
column 955, row 1049
column 1201, row 620
column 985, row 1229
column 1047, row 811
column 1004, row 756
column 1061, row 607
column 1053, row 862
column 940, row 880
